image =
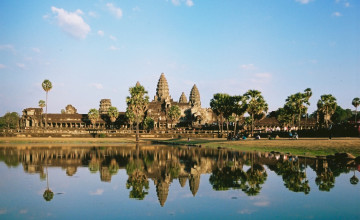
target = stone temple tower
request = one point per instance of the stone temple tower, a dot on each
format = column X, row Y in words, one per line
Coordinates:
column 183, row 98
column 162, row 90
column 105, row 104
column 195, row 97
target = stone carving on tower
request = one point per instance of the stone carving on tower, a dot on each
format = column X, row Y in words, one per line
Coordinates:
column 69, row 109
column 105, row 104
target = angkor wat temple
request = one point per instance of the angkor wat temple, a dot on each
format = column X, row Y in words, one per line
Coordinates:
column 192, row 114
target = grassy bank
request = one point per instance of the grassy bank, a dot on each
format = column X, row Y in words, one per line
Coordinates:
column 310, row 146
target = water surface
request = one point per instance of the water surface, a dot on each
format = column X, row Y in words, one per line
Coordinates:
column 59, row 182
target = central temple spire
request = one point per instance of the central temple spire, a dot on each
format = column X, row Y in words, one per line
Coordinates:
column 162, row 90
column 195, row 97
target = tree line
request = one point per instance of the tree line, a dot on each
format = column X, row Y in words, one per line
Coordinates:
column 226, row 107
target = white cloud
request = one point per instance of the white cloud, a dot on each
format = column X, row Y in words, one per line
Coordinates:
column 79, row 12
column 36, row 50
column 175, row 2
column 98, row 192
column 304, row 1
column 346, row 3
column 112, row 38
column 112, row 47
column 97, row 85
column 116, row 11
column 189, row 3
column 71, row 22
column 100, row 32
column 2, row 66
column 8, row 47
column 248, row 67
column 336, row 14
column 92, row 14
column 21, row 65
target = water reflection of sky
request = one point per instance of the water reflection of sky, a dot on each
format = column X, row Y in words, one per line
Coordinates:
column 85, row 196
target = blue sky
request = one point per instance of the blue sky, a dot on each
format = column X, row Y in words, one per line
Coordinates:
column 92, row 50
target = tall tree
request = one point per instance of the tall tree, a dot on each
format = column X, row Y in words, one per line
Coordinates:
column 256, row 106
column 47, row 86
column 326, row 107
column 239, row 108
column 228, row 108
column 222, row 105
column 216, row 105
column 130, row 117
column 113, row 114
column 284, row 116
column 308, row 94
column 138, row 102
column 341, row 115
column 296, row 105
column 356, row 102
column 48, row 194
column 148, row 123
column 42, row 105
column 10, row 120
column 93, row 116
column 174, row 114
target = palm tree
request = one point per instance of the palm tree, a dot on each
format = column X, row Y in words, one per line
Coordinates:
column 174, row 114
column 216, row 104
column 256, row 106
column 355, row 102
column 354, row 180
column 137, row 102
column 327, row 106
column 308, row 94
column 295, row 104
column 47, row 86
column 223, row 106
column 93, row 116
column 41, row 105
column 239, row 108
column 130, row 117
column 255, row 176
column 48, row 194
column 113, row 114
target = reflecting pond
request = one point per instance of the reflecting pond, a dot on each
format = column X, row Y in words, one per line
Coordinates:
column 62, row 182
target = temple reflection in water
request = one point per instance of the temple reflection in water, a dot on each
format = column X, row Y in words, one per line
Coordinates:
column 228, row 169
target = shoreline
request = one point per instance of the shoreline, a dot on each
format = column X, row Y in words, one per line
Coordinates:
column 309, row 146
